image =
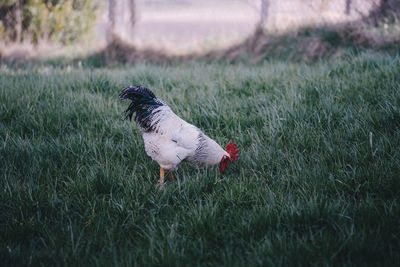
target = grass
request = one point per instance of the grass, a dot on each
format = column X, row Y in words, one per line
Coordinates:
column 317, row 182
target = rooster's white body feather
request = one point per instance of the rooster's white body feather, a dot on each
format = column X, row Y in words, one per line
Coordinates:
column 175, row 140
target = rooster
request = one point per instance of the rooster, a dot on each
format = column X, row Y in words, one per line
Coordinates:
column 168, row 139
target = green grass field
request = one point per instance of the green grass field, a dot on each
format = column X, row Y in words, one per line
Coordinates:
column 317, row 183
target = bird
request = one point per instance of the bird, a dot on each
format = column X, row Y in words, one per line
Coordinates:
column 168, row 139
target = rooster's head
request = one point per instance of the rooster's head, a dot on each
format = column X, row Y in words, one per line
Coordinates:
column 232, row 150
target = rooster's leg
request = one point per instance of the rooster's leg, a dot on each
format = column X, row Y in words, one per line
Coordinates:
column 170, row 176
column 161, row 182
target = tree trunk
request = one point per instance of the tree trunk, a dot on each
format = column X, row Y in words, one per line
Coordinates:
column 111, row 16
column 263, row 13
column 121, row 19
column 18, row 21
column 132, row 15
column 110, row 29
column 348, row 7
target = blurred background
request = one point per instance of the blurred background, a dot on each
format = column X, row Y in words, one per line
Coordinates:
column 159, row 30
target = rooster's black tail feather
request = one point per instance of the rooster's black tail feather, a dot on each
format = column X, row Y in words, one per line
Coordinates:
column 133, row 92
column 144, row 102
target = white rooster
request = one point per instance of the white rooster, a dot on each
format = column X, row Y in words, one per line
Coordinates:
column 169, row 139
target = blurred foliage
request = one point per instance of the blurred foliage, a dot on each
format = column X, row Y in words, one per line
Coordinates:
column 61, row 21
